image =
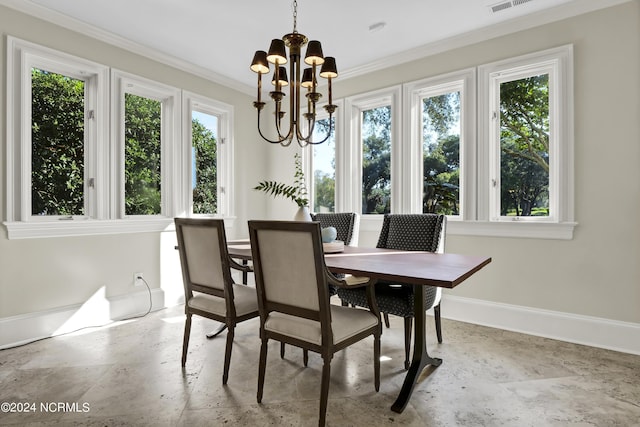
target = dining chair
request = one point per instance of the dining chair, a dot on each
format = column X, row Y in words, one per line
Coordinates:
column 347, row 226
column 293, row 299
column 411, row 232
column 209, row 288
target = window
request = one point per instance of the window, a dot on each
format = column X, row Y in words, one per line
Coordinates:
column 56, row 133
column 90, row 154
column 207, row 125
column 376, row 151
column 146, row 126
column 442, row 134
column 527, row 136
column 498, row 161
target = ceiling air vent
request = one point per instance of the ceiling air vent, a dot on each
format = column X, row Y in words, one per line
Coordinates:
column 507, row 4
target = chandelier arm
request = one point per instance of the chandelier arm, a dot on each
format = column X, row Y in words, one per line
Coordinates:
column 326, row 137
column 278, row 141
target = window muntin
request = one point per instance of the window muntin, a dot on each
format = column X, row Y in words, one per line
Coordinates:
column 57, row 145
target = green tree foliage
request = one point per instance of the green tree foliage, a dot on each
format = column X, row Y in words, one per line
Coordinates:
column 441, row 154
column 142, row 172
column 376, row 161
column 205, row 192
column 57, row 141
column 325, row 191
column 524, row 143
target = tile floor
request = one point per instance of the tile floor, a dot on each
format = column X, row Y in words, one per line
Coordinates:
column 128, row 374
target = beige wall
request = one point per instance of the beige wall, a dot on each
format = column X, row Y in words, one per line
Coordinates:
column 48, row 274
column 595, row 274
column 598, row 272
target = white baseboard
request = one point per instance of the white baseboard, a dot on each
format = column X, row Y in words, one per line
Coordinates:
column 591, row 331
column 586, row 330
column 98, row 311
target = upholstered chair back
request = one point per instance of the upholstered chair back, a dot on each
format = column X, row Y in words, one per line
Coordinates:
column 202, row 251
column 286, row 252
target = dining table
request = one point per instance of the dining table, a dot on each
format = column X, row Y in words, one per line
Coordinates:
column 417, row 268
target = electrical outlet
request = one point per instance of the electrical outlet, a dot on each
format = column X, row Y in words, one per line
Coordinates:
column 137, row 279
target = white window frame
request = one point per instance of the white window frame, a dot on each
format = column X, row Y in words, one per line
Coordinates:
column 307, row 155
column 104, row 147
column 413, row 93
column 479, row 148
column 351, row 153
column 224, row 153
column 558, row 63
column 169, row 98
column 22, row 56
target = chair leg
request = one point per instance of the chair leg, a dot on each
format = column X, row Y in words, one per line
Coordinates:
column 376, row 361
column 281, row 350
column 436, row 315
column 261, row 368
column 408, row 323
column 185, row 341
column 386, row 320
column 324, row 390
column 305, row 357
column 227, row 353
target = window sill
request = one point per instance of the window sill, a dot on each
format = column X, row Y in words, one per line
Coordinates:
column 515, row 229
column 534, row 230
column 89, row 227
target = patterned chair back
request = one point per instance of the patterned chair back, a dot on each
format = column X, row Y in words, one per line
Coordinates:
column 413, row 232
column 345, row 223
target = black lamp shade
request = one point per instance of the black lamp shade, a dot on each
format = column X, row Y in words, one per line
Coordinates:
column 259, row 63
column 277, row 52
column 282, row 77
column 329, row 69
column 314, row 54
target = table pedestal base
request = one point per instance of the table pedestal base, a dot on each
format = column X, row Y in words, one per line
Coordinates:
column 217, row 332
column 420, row 356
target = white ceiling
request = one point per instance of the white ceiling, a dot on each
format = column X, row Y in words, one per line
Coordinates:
column 220, row 36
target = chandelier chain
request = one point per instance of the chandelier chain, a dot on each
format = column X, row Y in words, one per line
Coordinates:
column 295, row 16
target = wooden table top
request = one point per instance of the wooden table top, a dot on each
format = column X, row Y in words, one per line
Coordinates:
column 421, row 268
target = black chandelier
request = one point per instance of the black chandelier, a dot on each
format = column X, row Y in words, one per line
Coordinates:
column 313, row 58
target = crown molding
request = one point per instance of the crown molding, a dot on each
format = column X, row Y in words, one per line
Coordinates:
column 526, row 22
column 535, row 19
column 78, row 26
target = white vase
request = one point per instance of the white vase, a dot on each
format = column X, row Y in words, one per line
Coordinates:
column 302, row 214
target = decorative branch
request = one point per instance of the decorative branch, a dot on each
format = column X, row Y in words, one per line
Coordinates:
column 296, row 192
